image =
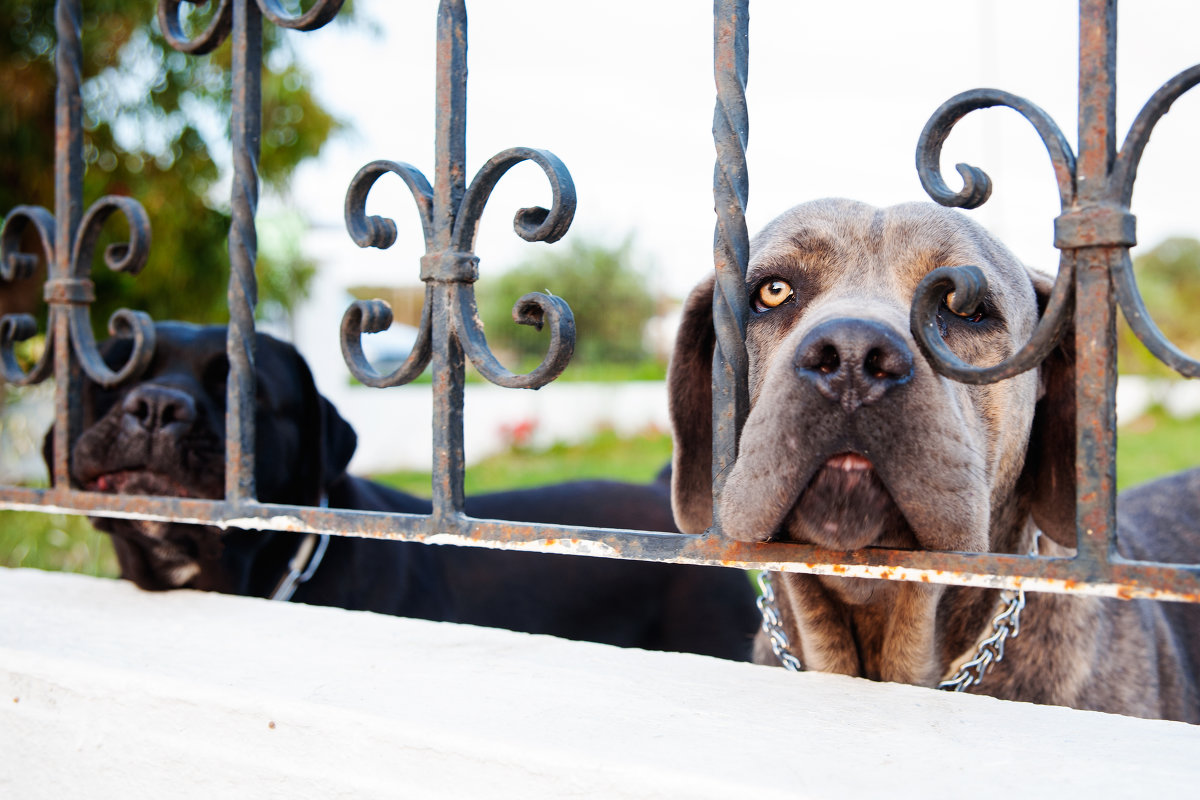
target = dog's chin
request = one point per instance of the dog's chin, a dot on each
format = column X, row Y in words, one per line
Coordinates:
column 847, row 507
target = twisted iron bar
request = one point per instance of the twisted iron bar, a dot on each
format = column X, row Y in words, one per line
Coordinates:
column 220, row 24
column 449, row 224
column 241, row 20
column 731, row 240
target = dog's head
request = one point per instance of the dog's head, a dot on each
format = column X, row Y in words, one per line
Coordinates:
column 164, row 434
column 852, row 439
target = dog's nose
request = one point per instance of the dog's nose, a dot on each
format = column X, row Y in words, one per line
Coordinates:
column 155, row 408
column 853, row 362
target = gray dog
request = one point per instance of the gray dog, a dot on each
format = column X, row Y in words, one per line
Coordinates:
column 854, row 441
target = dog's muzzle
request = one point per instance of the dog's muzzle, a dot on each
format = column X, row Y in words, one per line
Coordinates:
column 853, row 362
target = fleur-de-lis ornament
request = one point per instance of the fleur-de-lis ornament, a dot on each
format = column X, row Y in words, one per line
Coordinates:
column 450, row 330
column 450, row 217
column 67, row 240
column 1093, row 232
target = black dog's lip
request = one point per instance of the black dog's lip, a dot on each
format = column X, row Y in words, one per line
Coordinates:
column 139, row 482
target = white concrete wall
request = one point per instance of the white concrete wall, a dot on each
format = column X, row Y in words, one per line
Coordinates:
column 106, row 691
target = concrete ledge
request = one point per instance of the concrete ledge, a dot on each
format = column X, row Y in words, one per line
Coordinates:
column 107, row 691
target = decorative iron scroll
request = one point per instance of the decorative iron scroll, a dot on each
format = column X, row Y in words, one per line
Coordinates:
column 450, row 212
column 1094, row 232
column 1104, row 223
column 460, row 267
column 68, row 240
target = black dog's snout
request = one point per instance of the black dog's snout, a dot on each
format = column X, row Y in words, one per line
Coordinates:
column 155, row 408
column 853, row 362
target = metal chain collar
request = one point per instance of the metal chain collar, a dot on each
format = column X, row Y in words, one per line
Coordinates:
column 989, row 650
column 772, row 625
column 308, row 556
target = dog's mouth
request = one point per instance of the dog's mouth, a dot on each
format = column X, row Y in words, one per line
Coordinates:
column 846, row 506
column 141, row 482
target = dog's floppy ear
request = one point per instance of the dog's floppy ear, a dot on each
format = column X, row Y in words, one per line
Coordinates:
column 338, row 441
column 689, row 385
column 329, row 440
column 1049, row 474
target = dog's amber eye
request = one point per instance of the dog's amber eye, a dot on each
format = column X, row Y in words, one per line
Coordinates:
column 773, row 294
column 975, row 316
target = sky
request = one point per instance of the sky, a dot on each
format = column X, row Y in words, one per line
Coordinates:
column 623, row 93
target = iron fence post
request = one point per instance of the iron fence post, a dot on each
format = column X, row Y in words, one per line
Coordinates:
column 68, row 210
column 1095, row 320
column 449, row 186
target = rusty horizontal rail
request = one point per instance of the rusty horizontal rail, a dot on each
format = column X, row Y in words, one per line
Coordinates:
column 1119, row 577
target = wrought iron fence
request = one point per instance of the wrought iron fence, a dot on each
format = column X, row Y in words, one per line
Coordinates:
column 1094, row 234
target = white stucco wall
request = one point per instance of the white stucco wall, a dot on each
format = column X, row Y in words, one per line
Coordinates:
column 106, row 691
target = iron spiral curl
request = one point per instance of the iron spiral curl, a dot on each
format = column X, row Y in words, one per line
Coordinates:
column 1121, row 189
column 968, row 282
column 129, row 257
column 221, row 22
column 205, row 41
column 535, row 309
column 375, row 316
column 977, row 185
column 15, row 265
column 534, row 224
column 373, row 231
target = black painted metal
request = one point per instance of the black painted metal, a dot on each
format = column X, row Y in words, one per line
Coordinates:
column 1094, row 233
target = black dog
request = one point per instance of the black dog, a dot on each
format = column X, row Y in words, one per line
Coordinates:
column 164, row 435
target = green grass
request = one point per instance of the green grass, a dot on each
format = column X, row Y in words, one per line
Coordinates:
column 1156, row 444
column 646, row 370
column 1153, row 445
column 637, row 459
column 56, row 542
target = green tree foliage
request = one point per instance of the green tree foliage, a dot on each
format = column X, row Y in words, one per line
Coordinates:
column 611, row 298
column 156, row 129
column 1169, row 279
